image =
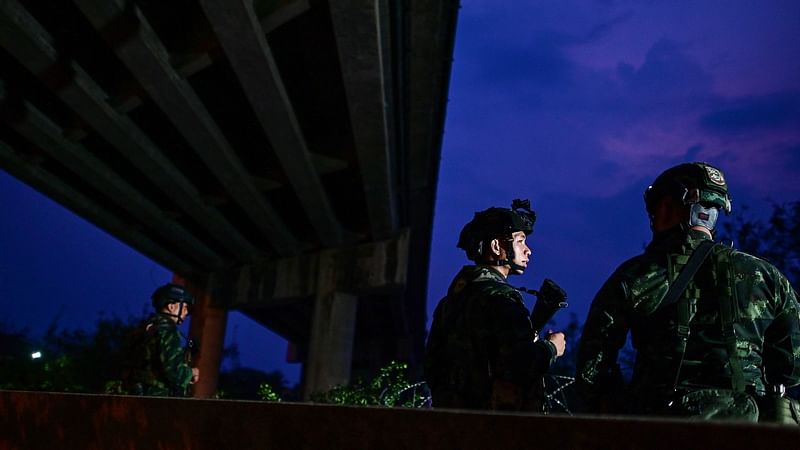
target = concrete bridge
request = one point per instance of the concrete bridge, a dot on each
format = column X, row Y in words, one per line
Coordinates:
column 279, row 156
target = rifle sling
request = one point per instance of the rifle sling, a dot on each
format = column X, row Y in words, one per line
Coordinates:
column 674, row 294
column 727, row 305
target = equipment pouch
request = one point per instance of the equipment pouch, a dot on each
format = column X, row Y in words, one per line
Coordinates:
column 781, row 410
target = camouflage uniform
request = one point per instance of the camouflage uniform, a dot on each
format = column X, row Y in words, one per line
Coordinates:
column 481, row 352
column 158, row 359
column 766, row 324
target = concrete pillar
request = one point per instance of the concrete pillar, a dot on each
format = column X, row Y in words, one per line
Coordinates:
column 330, row 352
column 207, row 328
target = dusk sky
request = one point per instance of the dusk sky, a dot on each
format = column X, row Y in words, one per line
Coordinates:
column 575, row 105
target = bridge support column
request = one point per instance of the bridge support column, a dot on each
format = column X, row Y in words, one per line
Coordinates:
column 330, row 352
column 207, row 328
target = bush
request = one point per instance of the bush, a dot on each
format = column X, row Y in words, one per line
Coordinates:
column 389, row 388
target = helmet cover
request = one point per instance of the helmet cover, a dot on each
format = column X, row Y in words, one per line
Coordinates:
column 171, row 293
column 696, row 182
column 493, row 223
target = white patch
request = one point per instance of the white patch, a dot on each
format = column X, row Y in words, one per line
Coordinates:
column 715, row 176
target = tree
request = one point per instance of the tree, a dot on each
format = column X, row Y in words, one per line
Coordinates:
column 18, row 369
column 777, row 240
column 93, row 360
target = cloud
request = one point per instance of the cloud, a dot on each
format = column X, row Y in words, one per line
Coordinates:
column 754, row 113
column 669, row 80
column 566, row 121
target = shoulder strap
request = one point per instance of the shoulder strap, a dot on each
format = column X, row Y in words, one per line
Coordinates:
column 689, row 270
column 728, row 305
column 674, row 293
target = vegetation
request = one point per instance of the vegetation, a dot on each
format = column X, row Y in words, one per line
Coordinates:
column 777, row 239
column 67, row 360
column 389, row 388
column 92, row 361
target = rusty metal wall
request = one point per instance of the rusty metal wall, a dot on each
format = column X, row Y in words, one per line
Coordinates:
column 50, row 421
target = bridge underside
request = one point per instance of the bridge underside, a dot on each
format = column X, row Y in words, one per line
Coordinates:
column 277, row 155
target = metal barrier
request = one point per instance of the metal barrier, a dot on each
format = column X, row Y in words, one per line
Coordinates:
column 36, row 420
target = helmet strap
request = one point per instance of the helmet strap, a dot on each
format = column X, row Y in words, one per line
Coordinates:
column 177, row 316
column 509, row 261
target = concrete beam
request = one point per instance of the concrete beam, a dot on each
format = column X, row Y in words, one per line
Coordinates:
column 362, row 35
column 148, row 60
column 60, row 192
column 47, row 136
column 240, row 34
column 356, row 270
column 283, row 15
column 432, row 35
column 33, row 46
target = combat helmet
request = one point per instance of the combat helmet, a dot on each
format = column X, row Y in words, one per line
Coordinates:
column 493, row 223
column 698, row 184
column 171, row 293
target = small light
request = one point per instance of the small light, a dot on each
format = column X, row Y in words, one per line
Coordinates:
column 36, row 355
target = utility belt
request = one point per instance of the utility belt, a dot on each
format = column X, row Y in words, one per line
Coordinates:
column 712, row 404
column 753, row 404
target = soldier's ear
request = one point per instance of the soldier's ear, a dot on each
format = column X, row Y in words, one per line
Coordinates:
column 495, row 246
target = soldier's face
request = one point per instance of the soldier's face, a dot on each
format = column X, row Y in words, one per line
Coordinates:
column 522, row 252
column 181, row 310
column 184, row 311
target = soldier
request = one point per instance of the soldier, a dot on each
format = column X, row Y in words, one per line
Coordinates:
column 711, row 336
column 482, row 352
column 157, row 359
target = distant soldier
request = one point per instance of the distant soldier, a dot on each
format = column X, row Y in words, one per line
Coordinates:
column 157, row 362
column 715, row 330
column 482, row 352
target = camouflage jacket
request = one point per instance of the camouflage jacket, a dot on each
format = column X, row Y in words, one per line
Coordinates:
column 157, row 360
column 481, row 352
column 765, row 316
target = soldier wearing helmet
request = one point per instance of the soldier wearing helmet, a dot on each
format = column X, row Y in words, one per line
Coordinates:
column 716, row 331
column 157, row 358
column 482, row 352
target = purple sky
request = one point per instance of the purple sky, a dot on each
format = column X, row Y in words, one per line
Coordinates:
column 576, row 105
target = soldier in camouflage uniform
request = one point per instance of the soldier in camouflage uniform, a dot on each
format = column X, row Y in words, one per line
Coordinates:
column 731, row 337
column 482, row 352
column 157, row 359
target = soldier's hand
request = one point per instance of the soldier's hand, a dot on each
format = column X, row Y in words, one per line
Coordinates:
column 195, row 375
column 559, row 340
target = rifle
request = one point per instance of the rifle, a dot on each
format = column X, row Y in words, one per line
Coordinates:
column 550, row 298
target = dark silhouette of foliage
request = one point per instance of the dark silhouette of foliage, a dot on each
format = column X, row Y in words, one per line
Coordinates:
column 17, row 369
column 71, row 360
column 777, row 239
column 93, row 361
column 245, row 383
column 389, row 388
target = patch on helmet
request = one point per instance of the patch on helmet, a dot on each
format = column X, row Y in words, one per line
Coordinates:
column 715, row 176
